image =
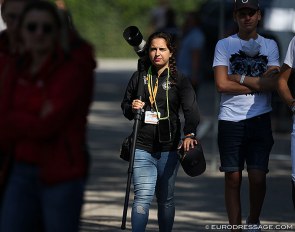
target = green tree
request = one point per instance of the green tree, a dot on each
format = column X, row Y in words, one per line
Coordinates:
column 102, row 22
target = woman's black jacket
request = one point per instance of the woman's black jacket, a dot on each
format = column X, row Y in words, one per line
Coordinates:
column 181, row 95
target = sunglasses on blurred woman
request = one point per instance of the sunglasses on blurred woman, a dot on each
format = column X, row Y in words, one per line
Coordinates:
column 33, row 27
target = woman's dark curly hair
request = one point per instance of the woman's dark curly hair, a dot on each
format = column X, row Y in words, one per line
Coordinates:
column 171, row 47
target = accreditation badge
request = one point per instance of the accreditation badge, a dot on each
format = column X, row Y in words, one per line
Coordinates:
column 151, row 117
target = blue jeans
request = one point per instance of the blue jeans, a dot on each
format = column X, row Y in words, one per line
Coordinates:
column 154, row 173
column 29, row 205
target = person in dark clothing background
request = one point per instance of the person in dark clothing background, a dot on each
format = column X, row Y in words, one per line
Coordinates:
column 166, row 91
column 9, row 44
column 45, row 97
column 191, row 49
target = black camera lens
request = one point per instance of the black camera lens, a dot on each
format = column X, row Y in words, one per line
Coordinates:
column 133, row 36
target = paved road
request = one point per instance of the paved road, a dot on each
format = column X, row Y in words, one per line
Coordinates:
column 199, row 201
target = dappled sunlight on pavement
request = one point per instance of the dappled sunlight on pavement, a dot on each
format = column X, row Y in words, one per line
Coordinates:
column 199, row 201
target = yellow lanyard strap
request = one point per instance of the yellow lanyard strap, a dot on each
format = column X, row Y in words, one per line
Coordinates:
column 153, row 92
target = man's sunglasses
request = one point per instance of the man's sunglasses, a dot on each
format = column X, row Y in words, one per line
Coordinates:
column 46, row 28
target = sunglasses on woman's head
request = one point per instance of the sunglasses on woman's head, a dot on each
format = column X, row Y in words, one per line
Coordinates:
column 32, row 27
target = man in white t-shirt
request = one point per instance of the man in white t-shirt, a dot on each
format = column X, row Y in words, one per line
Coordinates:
column 285, row 93
column 244, row 69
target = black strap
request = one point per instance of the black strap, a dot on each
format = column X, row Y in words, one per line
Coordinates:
column 141, row 75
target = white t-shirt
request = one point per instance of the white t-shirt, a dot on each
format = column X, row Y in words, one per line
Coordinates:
column 289, row 59
column 228, row 52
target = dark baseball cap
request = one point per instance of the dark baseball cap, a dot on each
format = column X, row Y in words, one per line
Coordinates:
column 252, row 4
column 193, row 161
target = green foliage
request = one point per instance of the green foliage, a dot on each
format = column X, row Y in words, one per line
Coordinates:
column 102, row 22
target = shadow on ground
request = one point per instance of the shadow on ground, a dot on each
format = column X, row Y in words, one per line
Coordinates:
column 199, row 200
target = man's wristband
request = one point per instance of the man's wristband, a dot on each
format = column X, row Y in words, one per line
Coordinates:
column 292, row 102
column 292, row 106
column 242, row 79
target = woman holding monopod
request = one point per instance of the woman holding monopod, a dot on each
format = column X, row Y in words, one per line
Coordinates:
column 156, row 160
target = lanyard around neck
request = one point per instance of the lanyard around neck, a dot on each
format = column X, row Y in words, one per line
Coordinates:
column 153, row 92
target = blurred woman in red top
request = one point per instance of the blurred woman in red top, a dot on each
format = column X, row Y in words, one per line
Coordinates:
column 9, row 44
column 44, row 103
